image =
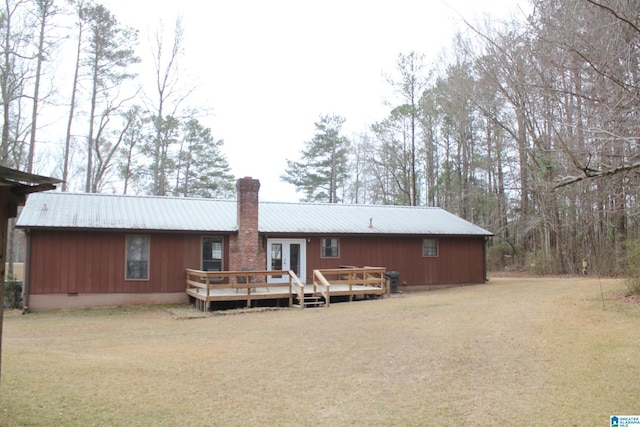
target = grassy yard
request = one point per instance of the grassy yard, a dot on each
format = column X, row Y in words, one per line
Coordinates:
column 544, row 351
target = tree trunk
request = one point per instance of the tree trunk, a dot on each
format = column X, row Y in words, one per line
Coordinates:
column 72, row 106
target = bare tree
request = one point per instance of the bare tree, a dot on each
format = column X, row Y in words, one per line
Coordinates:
column 108, row 58
column 45, row 11
column 107, row 143
column 165, row 105
column 394, row 157
column 430, row 122
column 410, row 85
column 80, row 23
column 131, row 138
column 13, row 75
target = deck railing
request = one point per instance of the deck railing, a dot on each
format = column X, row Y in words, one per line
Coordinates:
column 373, row 277
column 297, row 287
column 207, row 286
column 322, row 286
column 245, row 285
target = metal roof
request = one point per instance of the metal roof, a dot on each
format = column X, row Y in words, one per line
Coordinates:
column 362, row 219
column 118, row 212
column 25, row 183
column 99, row 211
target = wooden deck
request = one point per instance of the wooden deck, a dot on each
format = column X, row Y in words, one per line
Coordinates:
column 207, row 287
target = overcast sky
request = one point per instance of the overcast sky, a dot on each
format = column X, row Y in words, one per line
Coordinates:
column 268, row 69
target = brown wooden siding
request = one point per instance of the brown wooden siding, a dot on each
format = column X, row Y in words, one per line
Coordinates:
column 94, row 262
column 459, row 260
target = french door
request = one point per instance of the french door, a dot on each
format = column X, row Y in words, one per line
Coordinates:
column 286, row 254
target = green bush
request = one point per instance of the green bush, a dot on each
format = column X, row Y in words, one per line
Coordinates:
column 501, row 256
column 631, row 265
column 12, row 293
column 495, row 257
column 535, row 263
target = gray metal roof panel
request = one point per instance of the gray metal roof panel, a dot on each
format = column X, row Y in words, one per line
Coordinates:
column 365, row 219
column 99, row 211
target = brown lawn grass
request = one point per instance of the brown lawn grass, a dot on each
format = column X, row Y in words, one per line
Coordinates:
column 520, row 351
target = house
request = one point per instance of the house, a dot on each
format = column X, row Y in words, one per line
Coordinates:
column 95, row 249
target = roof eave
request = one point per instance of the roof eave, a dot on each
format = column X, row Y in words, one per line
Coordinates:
column 120, row 230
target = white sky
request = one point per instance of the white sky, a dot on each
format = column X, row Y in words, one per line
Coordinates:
column 269, row 69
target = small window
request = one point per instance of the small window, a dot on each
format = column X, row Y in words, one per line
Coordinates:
column 330, row 248
column 430, row 247
column 137, row 257
column 212, row 253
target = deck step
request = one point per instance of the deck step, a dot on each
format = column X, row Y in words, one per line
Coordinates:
column 310, row 301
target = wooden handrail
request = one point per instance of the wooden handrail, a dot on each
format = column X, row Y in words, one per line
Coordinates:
column 323, row 287
column 355, row 276
column 237, row 273
column 205, row 279
column 343, row 270
column 298, row 287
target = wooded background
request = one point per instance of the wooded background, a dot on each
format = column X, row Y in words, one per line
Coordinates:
column 528, row 128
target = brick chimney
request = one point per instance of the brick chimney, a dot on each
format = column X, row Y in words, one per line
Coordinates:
column 246, row 253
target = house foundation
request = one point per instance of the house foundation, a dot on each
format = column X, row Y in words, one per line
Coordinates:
column 48, row 302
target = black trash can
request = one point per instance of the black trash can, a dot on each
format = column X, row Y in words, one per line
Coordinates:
column 394, row 278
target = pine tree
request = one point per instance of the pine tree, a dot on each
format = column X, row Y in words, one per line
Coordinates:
column 323, row 167
column 203, row 171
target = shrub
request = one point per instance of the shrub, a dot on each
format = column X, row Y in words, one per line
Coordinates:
column 12, row 293
column 495, row 257
column 501, row 256
column 631, row 265
column 535, row 263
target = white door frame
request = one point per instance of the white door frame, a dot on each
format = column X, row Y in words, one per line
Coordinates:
column 286, row 246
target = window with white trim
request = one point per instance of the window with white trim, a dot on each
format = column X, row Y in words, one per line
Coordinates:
column 212, row 253
column 137, row 249
column 330, row 248
column 430, row 247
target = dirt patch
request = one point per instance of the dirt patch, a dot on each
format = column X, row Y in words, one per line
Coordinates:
column 629, row 298
column 527, row 351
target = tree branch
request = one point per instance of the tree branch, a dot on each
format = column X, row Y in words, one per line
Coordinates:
column 599, row 174
column 616, row 14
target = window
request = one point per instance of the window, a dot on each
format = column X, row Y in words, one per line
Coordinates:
column 330, row 248
column 137, row 257
column 276, row 256
column 429, row 247
column 212, row 253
